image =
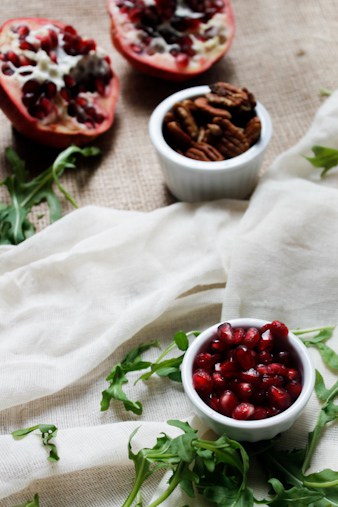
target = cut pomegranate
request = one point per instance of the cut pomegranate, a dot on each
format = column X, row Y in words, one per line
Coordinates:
column 253, row 375
column 56, row 87
column 171, row 39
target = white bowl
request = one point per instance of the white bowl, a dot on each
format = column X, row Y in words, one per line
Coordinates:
column 193, row 180
column 254, row 430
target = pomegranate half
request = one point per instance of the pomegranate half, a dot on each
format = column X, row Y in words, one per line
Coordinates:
column 172, row 39
column 56, row 87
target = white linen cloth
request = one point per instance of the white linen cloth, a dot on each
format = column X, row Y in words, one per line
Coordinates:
column 77, row 296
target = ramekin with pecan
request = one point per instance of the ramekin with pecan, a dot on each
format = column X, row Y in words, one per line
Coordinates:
column 218, row 125
column 210, row 141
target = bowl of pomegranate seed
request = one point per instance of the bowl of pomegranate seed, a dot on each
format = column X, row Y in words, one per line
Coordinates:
column 248, row 378
column 210, row 141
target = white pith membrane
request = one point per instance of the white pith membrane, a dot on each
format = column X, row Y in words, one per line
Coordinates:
column 77, row 66
column 217, row 27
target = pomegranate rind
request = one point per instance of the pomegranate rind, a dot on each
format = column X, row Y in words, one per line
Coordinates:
column 165, row 66
column 55, row 135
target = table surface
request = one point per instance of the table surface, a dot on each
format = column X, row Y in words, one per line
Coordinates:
column 284, row 52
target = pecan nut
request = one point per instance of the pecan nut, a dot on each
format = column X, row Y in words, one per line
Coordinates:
column 229, row 96
column 253, row 130
column 233, row 141
column 204, row 152
column 204, row 106
column 179, row 138
column 186, row 120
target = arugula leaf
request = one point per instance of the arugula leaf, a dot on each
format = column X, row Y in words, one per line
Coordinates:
column 324, row 157
column 299, row 496
column 117, row 378
column 328, row 413
column 222, row 480
column 15, row 225
column 31, row 503
column 329, row 356
column 48, row 431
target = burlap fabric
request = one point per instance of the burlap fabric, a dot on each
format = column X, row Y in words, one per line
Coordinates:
column 284, row 52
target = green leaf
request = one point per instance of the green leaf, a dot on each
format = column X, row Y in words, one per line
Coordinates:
column 181, row 340
column 329, row 356
column 324, row 158
column 31, row 503
column 117, row 378
column 324, row 479
column 15, row 225
column 298, row 496
column 48, row 431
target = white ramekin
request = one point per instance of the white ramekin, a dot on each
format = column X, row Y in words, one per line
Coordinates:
column 193, row 180
column 251, row 431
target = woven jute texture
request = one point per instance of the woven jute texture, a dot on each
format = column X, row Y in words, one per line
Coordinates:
column 284, row 52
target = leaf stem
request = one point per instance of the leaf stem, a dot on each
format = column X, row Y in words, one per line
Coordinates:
column 312, row 330
column 175, row 480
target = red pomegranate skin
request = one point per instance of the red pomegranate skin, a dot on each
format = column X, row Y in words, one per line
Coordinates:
column 56, row 87
column 158, row 38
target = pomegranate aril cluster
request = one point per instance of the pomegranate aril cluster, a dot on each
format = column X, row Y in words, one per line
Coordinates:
column 248, row 374
column 41, row 98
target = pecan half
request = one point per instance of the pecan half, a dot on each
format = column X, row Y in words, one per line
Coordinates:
column 186, row 120
column 204, row 106
column 179, row 138
column 253, row 130
column 229, row 96
column 204, row 152
column 233, row 141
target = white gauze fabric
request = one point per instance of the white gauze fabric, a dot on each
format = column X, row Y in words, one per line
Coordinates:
column 77, row 296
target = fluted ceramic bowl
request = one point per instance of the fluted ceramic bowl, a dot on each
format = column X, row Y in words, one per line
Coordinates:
column 248, row 430
column 194, row 180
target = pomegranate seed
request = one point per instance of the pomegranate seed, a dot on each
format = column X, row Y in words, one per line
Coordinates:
column 204, row 359
column 244, row 390
column 29, row 99
column 284, row 357
column 65, row 94
column 264, row 357
column 277, row 369
column 69, row 81
column 227, row 403
column 49, row 89
column 12, row 57
column 31, row 86
column 239, row 334
column 243, row 411
column 273, row 411
column 266, row 341
column 46, row 43
column 99, row 118
column 70, row 29
column 272, row 380
column 27, row 46
column 251, row 338
column 251, row 375
column 218, row 345
column 294, row 388
column 229, row 369
column 214, row 403
column 244, row 357
column 7, row 70
column 279, row 397
column 226, row 333
column 22, row 30
column 202, row 381
column 262, row 369
column 219, row 382
column 260, row 413
column 293, row 374
column 46, row 105
column 88, row 45
column 100, row 86
column 279, row 329
column 136, row 48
